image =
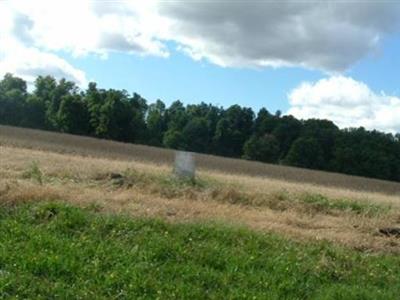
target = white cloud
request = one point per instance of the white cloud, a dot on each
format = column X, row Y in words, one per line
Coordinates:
column 83, row 27
column 31, row 33
column 330, row 36
column 347, row 102
column 327, row 35
column 28, row 63
column 18, row 56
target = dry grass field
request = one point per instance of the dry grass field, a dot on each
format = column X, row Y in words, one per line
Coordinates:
column 135, row 180
column 86, row 146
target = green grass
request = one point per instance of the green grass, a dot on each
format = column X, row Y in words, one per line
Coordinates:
column 50, row 250
column 34, row 172
column 322, row 203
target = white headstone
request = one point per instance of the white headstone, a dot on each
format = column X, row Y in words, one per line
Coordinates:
column 184, row 164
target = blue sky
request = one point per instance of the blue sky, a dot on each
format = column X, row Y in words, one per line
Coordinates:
column 333, row 60
column 381, row 71
column 180, row 77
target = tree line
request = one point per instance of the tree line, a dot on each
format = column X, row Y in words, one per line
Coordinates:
column 234, row 132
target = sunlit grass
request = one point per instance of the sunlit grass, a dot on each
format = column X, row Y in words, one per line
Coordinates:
column 53, row 250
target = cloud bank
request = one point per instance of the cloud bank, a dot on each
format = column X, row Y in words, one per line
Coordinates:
column 328, row 36
column 325, row 35
column 346, row 102
column 18, row 54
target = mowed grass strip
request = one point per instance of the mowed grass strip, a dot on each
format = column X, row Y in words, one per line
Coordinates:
column 53, row 250
column 207, row 188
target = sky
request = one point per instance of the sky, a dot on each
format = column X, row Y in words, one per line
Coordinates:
column 336, row 60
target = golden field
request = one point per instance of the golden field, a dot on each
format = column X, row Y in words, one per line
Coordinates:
column 136, row 180
column 86, row 146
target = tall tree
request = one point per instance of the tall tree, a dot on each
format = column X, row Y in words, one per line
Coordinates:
column 138, row 108
column 232, row 130
column 34, row 112
column 305, row 152
column 196, row 135
column 94, row 100
column 156, row 123
column 73, row 115
column 372, row 154
column 13, row 94
column 176, row 116
column 325, row 132
column 287, row 131
column 264, row 148
column 115, row 116
column 265, row 122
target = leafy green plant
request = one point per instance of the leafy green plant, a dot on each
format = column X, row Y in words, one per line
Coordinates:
column 34, row 172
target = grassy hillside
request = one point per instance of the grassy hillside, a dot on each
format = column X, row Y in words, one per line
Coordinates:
column 81, row 219
column 66, row 143
column 297, row 210
column 51, row 250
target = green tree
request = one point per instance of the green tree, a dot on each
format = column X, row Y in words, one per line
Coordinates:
column 34, row 112
column 287, row 130
column 265, row 122
column 13, row 94
column 63, row 89
column 94, row 99
column 138, row 107
column 48, row 94
column 174, row 139
column 176, row 116
column 211, row 114
column 73, row 116
column 196, row 135
column 156, row 123
column 264, row 148
column 372, row 154
column 325, row 132
column 44, row 88
column 115, row 116
column 232, row 130
column 305, row 152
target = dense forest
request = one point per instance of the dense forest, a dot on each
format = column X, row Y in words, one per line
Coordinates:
column 235, row 131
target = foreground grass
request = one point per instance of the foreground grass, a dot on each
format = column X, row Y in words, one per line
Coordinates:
column 50, row 250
